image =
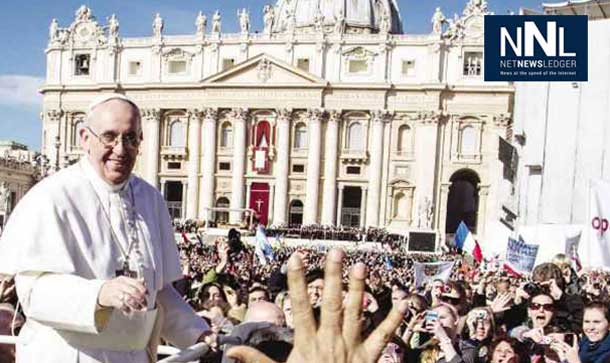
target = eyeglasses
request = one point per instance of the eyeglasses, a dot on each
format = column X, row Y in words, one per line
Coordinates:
column 545, row 307
column 110, row 140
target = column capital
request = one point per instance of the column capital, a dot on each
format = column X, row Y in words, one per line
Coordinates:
column 55, row 115
column 381, row 115
column 210, row 114
column 152, row 114
column 194, row 113
column 335, row 115
column 315, row 113
column 284, row 114
column 239, row 113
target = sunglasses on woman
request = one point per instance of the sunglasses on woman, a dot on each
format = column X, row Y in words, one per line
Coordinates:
column 545, row 307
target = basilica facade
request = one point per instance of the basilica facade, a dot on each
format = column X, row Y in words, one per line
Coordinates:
column 329, row 115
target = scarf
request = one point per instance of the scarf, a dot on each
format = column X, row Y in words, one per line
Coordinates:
column 594, row 352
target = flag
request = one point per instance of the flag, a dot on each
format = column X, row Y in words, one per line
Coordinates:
column 430, row 271
column 520, row 257
column 594, row 249
column 262, row 246
column 465, row 241
column 572, row 251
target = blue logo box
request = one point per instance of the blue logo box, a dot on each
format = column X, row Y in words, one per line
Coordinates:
column 536, row 48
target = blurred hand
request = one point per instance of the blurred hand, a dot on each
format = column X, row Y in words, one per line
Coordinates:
column 338, row 337
column 7, row 289
column 501, row 303
column 534, row 334
column 123, row 293
column 566, row 352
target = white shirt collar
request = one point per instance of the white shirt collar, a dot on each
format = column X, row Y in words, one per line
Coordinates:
column 99, row 183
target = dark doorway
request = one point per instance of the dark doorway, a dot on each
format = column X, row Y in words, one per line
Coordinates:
column 295, row 212
column 350, row 210
column 173, row 196
column 463, row 200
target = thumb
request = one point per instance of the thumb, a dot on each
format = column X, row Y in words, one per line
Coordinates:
column 246, row 354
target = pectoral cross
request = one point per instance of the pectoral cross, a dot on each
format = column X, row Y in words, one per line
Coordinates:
column 125, row 271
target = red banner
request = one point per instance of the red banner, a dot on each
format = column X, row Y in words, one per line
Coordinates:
column 259, row 201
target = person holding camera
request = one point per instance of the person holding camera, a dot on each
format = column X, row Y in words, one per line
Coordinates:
column 480, row 331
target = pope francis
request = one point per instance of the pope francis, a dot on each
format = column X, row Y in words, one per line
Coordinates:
column 93, row 254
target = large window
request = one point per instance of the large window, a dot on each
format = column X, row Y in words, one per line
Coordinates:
column 473, row 63
column 404, row 136
column 354, row 137
column 226, row 135
column 300, row 136
column 78, row 125
column 468, row 141
column 177, row 133
column 222, row 217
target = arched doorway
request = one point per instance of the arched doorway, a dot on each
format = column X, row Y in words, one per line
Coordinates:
column 463, row 200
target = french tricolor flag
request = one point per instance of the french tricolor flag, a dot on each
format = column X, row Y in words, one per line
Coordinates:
column 464, row 241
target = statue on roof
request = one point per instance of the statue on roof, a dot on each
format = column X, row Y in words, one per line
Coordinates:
column 53, row 31
column 201, row 22
column 83, row 13
column 216, row 22
column 268, row 17
column 113, row 27
column 158, row 25
column 340, row 22
column 318, row 20
column 438, row 19
column 476, row 7
column 244, row 20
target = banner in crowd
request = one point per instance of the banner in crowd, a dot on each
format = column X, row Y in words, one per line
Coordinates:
column 572, row 251
column 520, row 256
column 594, row 249
column 430, row 271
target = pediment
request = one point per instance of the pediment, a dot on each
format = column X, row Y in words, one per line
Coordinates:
column 264, row 70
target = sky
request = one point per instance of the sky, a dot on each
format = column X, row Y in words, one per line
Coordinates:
column 24, row 28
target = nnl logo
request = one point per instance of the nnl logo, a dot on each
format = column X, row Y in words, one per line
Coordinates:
column 549, row 44
column 536, row 48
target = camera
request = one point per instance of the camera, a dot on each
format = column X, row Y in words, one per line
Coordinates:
column 481, row 314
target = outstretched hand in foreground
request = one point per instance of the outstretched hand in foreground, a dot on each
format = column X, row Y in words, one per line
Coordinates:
column 338, row 338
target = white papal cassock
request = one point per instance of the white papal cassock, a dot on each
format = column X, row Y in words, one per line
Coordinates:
column 59, row 244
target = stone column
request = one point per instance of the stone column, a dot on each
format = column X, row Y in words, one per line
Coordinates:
column 282, row 167
column 339, row 205
column 330, row 168
column 185, row 186
column 239, row 116
column 379, row 118
column 482, row 209
column 248, row 192
column 194, row 154
column 363, row 207
column 313, row 166
column 151, row 129
column 209, row 162
column 442, row 211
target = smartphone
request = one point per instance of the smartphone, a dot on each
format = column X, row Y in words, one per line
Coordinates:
column 546, row 340
column 431, row 316
column 569, row 339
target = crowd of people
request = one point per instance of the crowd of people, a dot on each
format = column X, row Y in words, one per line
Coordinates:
column 481, row 314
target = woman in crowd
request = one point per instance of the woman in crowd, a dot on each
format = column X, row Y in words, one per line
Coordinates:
column 540, row 312
column 595, row 344
column 480, row 331
column 507, row 350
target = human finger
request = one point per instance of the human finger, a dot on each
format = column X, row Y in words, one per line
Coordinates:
column 134, row 283
column 378, row 339
column 330, row 321
column 352, row 324
column 246, row 354
column 302, row 315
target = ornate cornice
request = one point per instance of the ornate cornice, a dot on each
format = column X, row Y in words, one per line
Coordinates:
column 315, row 113
column 284, row 114
column 335, row 116
column 239, row 113
column 383, row 116
column 210, row 114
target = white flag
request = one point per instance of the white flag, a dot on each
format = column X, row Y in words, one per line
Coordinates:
column 594, row 248
column 425, row 272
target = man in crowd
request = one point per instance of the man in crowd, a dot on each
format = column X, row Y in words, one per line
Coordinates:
column 94, row 255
